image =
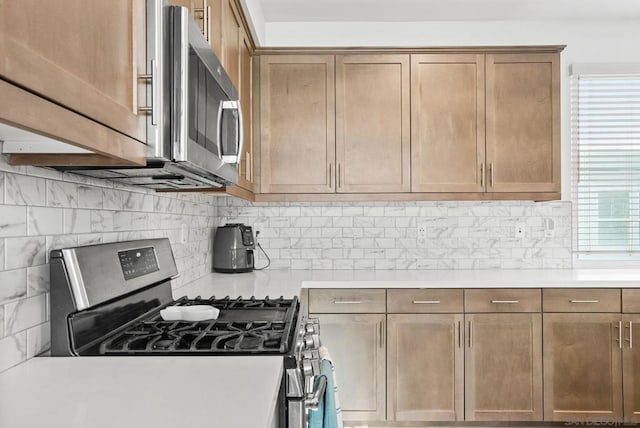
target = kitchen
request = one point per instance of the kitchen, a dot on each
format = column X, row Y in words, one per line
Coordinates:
column 376, row 237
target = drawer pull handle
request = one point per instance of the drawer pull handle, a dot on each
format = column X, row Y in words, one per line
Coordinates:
column 347, row 302
column 630, row 339
column 584, row 301
column 505, row 302
column 426, row 302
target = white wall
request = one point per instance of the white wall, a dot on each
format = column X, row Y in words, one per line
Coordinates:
column 587, row 42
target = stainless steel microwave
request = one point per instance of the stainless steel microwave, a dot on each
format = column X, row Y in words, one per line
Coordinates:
column 194, row 126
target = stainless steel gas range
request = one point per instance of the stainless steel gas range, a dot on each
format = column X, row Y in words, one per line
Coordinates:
column 106, row 301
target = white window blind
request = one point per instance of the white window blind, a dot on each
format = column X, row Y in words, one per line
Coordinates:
column 605, row 128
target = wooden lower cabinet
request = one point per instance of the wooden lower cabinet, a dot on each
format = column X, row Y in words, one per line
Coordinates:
column 357, row 345
column 425, row 367
column 503, row 367
column 631, row 367
column 582, row 367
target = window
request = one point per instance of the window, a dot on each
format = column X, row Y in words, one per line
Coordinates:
column 605, row 133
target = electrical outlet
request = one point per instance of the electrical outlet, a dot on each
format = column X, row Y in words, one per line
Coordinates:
column 257, row 228
column 422, row 231
column 520, row 230
column 549, row 227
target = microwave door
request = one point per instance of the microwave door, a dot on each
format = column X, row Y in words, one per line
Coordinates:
column 231, row 132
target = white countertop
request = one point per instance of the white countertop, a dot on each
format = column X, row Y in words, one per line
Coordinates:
column 287, row 283
column 141, row 392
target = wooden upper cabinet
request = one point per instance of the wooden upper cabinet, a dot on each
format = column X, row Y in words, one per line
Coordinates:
column 297, row 123
column 523, row 122
column 231, row 40
column 582, row 367
column 425, row 367
column 503, row 367
column 372, row 123
column 245, row 168
column 447, row 123
column 84, row 55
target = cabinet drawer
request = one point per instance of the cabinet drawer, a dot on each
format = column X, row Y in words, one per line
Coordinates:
column 338, row 300
column 631, row 300
column 502, row 300
column 418, row 301
column 581, row 300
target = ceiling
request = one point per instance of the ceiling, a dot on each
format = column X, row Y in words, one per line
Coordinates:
column 448, row 10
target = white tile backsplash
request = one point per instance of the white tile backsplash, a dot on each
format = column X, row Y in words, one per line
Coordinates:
column 13, row 350
column 45, row 221
column 25, row 313
column 24, row 190
column 24, row 252
column 42, row 209
column 384, row 235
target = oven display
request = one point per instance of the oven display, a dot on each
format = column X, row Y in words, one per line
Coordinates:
column 136, row 263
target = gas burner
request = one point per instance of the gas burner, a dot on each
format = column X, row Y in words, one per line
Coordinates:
column 245, row 326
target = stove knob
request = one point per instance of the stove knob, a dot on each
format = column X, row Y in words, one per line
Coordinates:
column 312, row 328
column 307, row 368
column 307, row 355
column 312, row 341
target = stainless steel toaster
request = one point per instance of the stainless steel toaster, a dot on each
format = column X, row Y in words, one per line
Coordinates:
column 233, row 247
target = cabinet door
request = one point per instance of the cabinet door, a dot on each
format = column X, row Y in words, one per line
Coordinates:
column 523, row 123
column 372, row 123
column 425, row 367
column 582, row 367
column 231, row 40
column 356, row 344
column 245, row 168
column 447, row 123
column 82, row 54
column 503, row 367
column 297, row 124
column 631, row 367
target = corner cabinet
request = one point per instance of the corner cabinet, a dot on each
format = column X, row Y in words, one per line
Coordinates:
column 72, row 62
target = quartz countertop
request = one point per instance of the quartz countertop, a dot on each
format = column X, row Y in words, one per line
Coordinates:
column 142, row 392
column 287, row 283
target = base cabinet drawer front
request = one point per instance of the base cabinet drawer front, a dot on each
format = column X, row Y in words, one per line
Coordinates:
column 425, row 301
column 503, row 367
column 582, row 367
column 350, row 301
column 581, row 300
column 631, row 300
column 425, row 367
column 356, row 343
column 502, row 300
column 631, row 367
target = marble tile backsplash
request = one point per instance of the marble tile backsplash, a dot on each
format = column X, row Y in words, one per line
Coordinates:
column 42, row 209
column 384, row 235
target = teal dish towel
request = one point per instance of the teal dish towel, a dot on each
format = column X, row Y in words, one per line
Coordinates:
column 327, row 415
column 331, row 405
column 316, row 417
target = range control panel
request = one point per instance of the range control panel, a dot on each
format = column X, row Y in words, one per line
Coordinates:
column 138, row 262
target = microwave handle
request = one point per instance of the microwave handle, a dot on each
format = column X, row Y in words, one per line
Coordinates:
column 231, row 105
column 240, row 132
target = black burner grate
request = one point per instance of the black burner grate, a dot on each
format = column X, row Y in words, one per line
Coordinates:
column 245, row 326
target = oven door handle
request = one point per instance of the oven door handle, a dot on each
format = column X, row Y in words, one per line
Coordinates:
column 312, row 401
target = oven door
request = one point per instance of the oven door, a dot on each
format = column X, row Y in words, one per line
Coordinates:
column 206, row 123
